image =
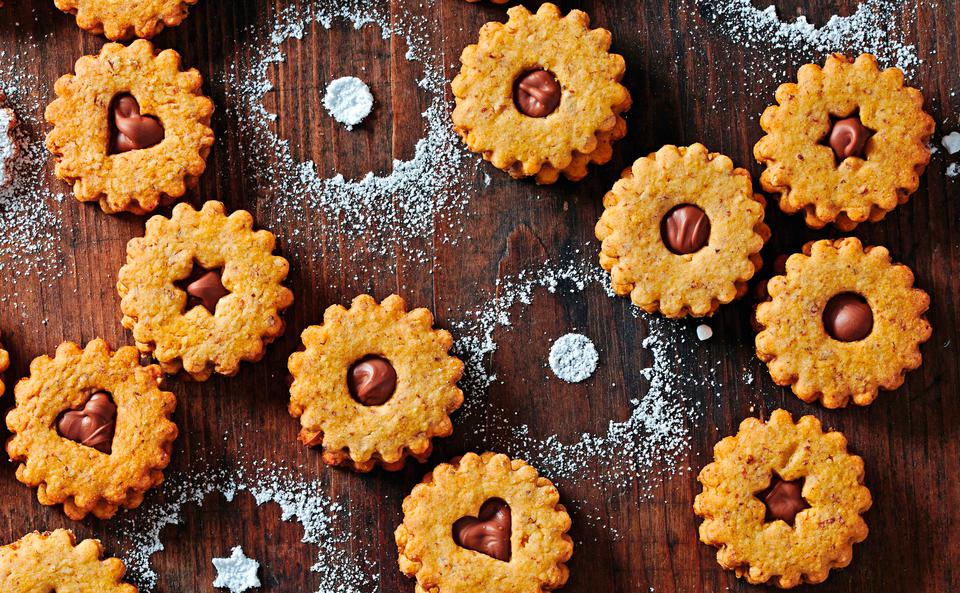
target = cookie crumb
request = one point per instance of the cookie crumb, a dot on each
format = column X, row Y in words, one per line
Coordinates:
column 237, row 573
column 349, row 100
column 704, row 332
column 951, row 142
column 573, row 358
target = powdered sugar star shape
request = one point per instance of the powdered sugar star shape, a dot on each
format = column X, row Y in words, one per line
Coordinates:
column 237, row 573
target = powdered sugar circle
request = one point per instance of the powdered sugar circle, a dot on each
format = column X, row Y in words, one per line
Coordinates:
column 573, row 358
column 387, row 211
column 298, row 498
column 643, row 449
column 349, row 100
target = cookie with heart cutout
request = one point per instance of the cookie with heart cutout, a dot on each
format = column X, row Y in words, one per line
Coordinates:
column 202, row 291
column 91, row 429
column 782, row 501
column 131, row 129
column 540, row 95
column 484, row 519
column 119, row 20
column 374, row 384
column 54, row 561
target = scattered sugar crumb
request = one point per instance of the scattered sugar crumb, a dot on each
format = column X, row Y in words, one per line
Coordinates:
column 349, row 100
column 573, row 358
column 237, row 573
column 704, row 332
column 953, row 169
column 951, row 142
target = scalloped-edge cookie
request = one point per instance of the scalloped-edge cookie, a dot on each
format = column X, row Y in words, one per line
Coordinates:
column 84, row 128
column 119, row 20
column 53, row 561
column 578, row 94
column 244, row 316
column 828, row 486
column 81, row 477
column 374, row 384
column 796, row 341
column 722, row 252
column 881, row 145
column 484, row 519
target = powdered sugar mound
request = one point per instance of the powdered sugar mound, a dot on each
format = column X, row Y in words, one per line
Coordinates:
column 29, row 211
column 349, row 100
column 8, row 144
column 298, row 499
column 573, row 358
column 236, row 572
column 387, row 211
column 649, row 445
column 876, row 27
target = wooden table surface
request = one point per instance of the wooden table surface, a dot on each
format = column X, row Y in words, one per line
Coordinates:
column 690, row 82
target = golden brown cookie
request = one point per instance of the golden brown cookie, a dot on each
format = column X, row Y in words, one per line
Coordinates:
column 374, row 384
column 484, row 519
column 782, row 501
column 131, row 129
column 202, row 291
column 55, row 562
column 843, row 322
column 682, row 231
column 91, row 429
column 540, row 95
column 123, row 19
column 846, row 144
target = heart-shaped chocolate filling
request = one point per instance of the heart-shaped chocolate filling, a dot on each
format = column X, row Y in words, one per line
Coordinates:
column 128, row 129
column 92, row 425
column 487, row 533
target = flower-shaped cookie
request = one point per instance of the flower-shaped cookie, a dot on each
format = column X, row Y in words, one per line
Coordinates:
column 682, row 232
column 202, row 290
column 540, row 95
column 483, row 519
column 131, row 129
column 846, row 144
column 55, row 562
column 374, row 384
column 782, row 501
column 91, row 429
column 123, row 19
column 842, row 323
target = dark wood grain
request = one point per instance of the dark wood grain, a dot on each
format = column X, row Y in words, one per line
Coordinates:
column 679, row 70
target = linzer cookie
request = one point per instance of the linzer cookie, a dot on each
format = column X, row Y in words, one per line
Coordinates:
column 846, row 144
column 122, row 19
column 91, row 429
column 682, row 231
column 131, row 129
column 41, row 562
column 782, row 501
column 374, row 384
column 540, row 95
column 507, row 526
column 843, row 322
column 202, row 291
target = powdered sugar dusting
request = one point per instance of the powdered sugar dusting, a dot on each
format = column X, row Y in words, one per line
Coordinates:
column 386, row 210
column 643, row 449
column 873, row 28
column 298, row 499
column 29, row 210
